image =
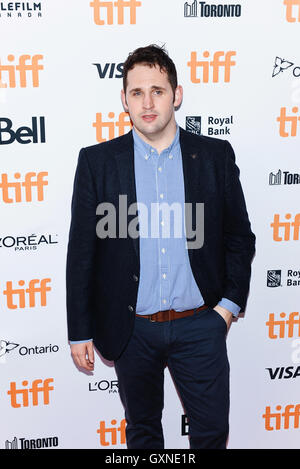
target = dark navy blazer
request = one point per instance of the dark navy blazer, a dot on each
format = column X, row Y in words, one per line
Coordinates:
column 103, row 274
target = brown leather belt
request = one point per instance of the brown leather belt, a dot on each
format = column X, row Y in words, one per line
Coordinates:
column 170, row 314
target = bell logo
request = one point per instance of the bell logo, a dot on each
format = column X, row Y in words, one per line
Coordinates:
column 121, row 124
column 20, row 397
column 215, row 64
column 284, row 119
column 282, row 328
column 292, row 9
column 289, row 418
column 285, row 228
column 112, row 433
column 35, row 286
column 12, row 191
column 119, row 6
column 27, row 63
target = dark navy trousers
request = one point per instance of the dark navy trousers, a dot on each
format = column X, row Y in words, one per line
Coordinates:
column 194, row 349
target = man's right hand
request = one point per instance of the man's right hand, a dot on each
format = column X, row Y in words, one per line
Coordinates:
column 83, row 355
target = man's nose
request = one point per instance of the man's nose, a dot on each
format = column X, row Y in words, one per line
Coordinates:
column 148, row 101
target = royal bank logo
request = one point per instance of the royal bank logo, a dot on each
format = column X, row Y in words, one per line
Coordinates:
column 211, row 125
column 274, row 278
column 283, row 178
column 211, row 10
column 281, row 65
column 289, row 278
column 193, row 124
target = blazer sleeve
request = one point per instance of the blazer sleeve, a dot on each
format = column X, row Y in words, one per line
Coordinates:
column 81, row 252
column 239, row 240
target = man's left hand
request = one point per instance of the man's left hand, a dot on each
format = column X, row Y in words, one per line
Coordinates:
column 225, row 313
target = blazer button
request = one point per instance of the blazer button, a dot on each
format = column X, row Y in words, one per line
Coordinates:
column 135, row 277
column 130, row 308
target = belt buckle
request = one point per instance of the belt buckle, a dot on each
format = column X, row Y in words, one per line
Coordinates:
column 151, row 318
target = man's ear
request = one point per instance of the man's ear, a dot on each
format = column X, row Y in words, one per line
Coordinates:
column 178, row 96
column 124, row 102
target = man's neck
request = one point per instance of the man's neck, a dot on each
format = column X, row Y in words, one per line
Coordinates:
column 159, row 142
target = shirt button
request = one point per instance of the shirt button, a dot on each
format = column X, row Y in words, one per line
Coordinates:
column 135, row 277
column 164, row 275
column 130, row 308
column 161, row 196
column 164, row 301
column 163, row 250
column 162, row 223
column 160, row 169
column 146, row 157
column 170, row 157
column 152, row 151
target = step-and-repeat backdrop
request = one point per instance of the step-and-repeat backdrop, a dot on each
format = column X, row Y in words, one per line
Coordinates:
column 60, row 81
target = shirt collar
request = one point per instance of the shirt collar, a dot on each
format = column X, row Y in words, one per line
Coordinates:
column 147, row 149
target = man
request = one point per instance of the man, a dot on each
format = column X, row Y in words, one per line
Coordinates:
column 145, row 301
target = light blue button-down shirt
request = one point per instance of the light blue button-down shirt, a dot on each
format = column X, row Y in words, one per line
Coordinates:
column 166, row 278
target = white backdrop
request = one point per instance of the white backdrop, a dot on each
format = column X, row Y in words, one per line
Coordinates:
column 58, row 64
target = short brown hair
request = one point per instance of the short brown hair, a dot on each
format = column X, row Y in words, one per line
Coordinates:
column 151, row 55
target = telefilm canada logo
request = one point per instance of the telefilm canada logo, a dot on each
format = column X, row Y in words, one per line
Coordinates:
column 20, row 10
column 211, row 10
column 210, row 125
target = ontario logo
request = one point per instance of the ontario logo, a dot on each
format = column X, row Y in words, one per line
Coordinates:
column 281, row 65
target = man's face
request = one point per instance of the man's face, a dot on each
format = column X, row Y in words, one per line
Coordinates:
column 149, row 100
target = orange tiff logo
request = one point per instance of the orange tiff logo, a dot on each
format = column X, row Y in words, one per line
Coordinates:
column 35, row 287
column 288, row 124
column 292, row 9
column 111, row 7
column 221, row 60
column 11, row 191
column 109, row 435
column 121, row 124
column 282, row 230
column 282, row 328
column 282, row 419
column 27, row 65
column 22, row 397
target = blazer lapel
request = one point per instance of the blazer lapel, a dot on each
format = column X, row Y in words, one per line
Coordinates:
column 194, row 178
column 125, row 163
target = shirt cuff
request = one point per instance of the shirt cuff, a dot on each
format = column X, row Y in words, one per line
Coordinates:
column 230, row 305
column 80, row 341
